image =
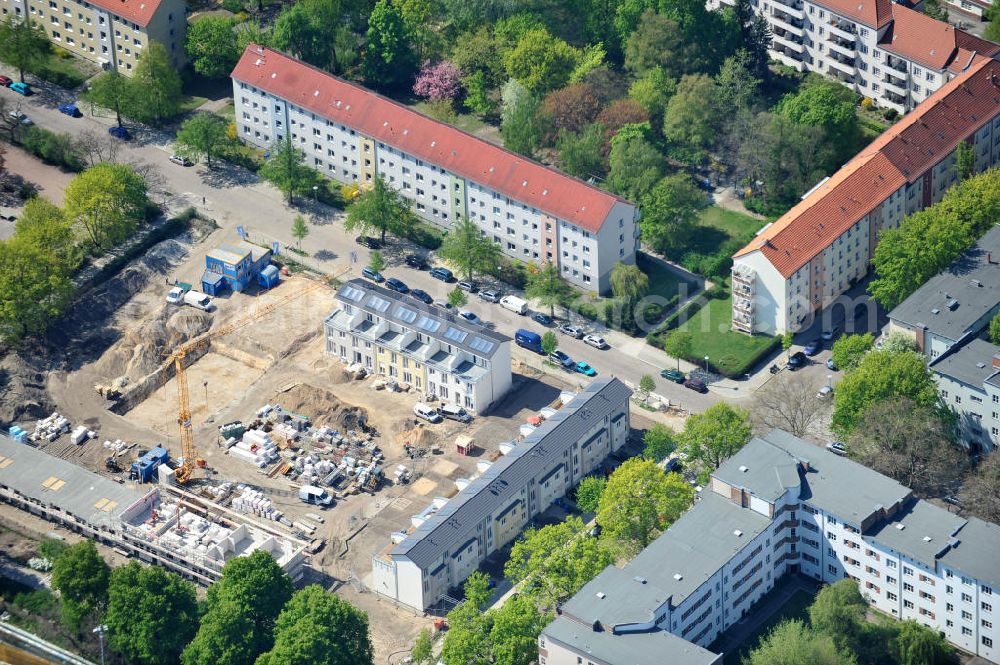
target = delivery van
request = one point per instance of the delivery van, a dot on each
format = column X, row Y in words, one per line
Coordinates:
column 315, row 495
column 199, row 300
column 528, row 340
column 515, row 304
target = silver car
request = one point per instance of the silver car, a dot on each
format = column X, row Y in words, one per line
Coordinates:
column 571, row 330
column 596, row 341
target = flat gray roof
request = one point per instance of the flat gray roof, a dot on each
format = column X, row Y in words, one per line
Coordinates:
column 503, row 481
column 951, row 302
column 975, row 551
column 412, row 314
column 972, row 364
column 54, row 481
column 652, row 648
column 920, row 531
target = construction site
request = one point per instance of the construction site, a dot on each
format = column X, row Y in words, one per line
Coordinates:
column 186, row 437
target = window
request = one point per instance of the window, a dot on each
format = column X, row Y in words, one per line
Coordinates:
column 966, row 630
column 966, row 598
column 987, row 642
column 967, row 615
column 987, row 607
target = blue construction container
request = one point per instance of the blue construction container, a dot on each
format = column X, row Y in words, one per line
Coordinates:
column 212, row 283
column 238, row 264
column 144, row 469
column 18, row 434
column 268, row 277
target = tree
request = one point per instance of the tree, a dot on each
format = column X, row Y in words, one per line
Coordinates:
column 636, row 167
column 211, row 46
column 848, row 351
column 23, row 43
column 519, row 125
column 694, row 114
column 639, row 502
column 647, row 385
column 788, row 403
column 439, row 81
column 152, row 614
column 710, row 438
column 311, row 30
column 934, row 9
column 457, row 297
column 670, row 214
column 981, row 491
column 156, row 86
column 755, row 38
column 994, row 330
column 44, row 225
column 659, row 442
column 240, row 612
column 113, row 91
column 477, row 95
column 548, row 287
column 81, row 576
column 880, row 376
column 380, row 208
column 388, row 60
column 620, row 113
column 787, row 341
column 965, row 160
column 299, row 229
column 319, row 628
column 582, row 154
column 628, row 281
column 540, row 61
column 839, row 611
column 992, row 32
column 552, row 563
column 588, row 493
column 829, row 106
column 286, row 169
column 106, row 202
column 549, row 342
column 678, row 344
column 467, row 248
column 653, row 91
column 35, row 287
column 659, row 41
column 737, row 85
column 792, row 643
column 918, row 645
column 202, row 135
column 423, row 648
column 375, row 261
column 514, row 631
column 571, row 108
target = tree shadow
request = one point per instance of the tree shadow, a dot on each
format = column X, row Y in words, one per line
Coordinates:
column 325, row 255
column 224, row 175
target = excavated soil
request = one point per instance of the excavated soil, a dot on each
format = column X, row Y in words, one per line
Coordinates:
column 323, row 407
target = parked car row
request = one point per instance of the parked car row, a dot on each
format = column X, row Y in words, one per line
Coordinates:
column 436, row 415
column 16, row 86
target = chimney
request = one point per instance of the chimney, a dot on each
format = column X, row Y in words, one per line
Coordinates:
column 996, row 361
column 989, row 258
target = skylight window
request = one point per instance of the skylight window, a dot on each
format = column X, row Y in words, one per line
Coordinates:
column 352, row 293
column 455, row 335
column 378, row 304
column 404, row 314
column 481, row 345
column 428, row 324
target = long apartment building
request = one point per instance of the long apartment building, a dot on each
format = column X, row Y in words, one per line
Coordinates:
column 350, row 134
column 449, row 540
column 424, row 346
column 111, row 33
column 804, row 261
column 782, row 505
column 883, row 50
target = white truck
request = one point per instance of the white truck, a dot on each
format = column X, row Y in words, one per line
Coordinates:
column 199, row 300
column 515, row 304
column 315, row 495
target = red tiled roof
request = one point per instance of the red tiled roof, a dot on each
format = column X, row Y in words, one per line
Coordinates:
column 873, row 13
column 903, row 153
column 929, row 42
column 136, row 11
column 371, row 114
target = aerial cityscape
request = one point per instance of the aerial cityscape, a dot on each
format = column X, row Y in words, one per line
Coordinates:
column 499, row 332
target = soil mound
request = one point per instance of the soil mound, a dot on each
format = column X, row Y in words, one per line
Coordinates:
column 323, row 407
column 142, row 349
column 22, row 389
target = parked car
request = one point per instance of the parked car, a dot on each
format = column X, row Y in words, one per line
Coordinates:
column 180, row 160
column 825, row 392
column 831, row 365
column 585, row 369
column 528, row 340
column 827, row 335
column 426, row 412
column 19, row 115
column 573, row 331
column 471, row 317
column 119, row 133
column 396, row 285
column 813, row 347
column 442, row 273
column 372, row 274
column 369, row 242
column 5, row 81
column 515, row 304
column 455, row 412
column 489, row 296
column 71, row 110
column 562, row 359
column 596, row 341
column 422, row 295
column 466, row 285
column 797, row 360
column 674, row 375
column 696, row 385
column 543, row 319
column 416, row 261
column 175, row 296
column 21, row 88
column 837, row 448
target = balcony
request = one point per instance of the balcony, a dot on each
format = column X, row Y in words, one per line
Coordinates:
column 841, row 47
column 893, row 85
column 742, row 322
column 839, row 69
column 781, row 21
column 896, row 63
column 743, row 274
column 841, row 29
column 790, row 7
column 743, row 305
column 788, row 42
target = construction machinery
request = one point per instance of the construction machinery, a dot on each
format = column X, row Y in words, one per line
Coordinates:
column 189, row 452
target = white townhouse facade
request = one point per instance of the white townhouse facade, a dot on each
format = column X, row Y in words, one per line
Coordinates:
column 424, row 346
column 802, row 263
column 783, row 505
column 883, row 50
column 448, row 540
column 968, row 382
column 111, row 33
column 350, row 134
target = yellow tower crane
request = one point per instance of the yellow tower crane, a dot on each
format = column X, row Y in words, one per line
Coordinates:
column 189, row 452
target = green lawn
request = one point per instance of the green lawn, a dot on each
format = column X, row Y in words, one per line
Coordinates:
column 663, row 282
column 464, row 121
column 64, row 72
column 796, row 608
column 734, row 224
column 190, row 102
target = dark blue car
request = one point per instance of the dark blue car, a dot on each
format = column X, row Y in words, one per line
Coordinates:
column 396, row 285
column 119, row 133
column 420, row 294
column 71, row 110
column 813, row 347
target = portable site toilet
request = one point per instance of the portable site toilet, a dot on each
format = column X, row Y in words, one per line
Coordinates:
column 465, row 444
column 268, row 277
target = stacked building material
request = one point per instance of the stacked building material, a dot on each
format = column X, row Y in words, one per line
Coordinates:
column 50, row 428
column 254, row 502
column 256, row 447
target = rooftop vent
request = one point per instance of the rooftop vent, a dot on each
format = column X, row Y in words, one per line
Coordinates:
column 953, row 305
column 737, row 533
column 678, row 577
column 524, row 183
column 601, row 595
column 259, row 62
column 935, row 311
column 405, row 131
column 274, row 75
column 339, row 103
column 640, row 580
column 433, row 143
column 545, row 192
column 316, row 93
column 385, row 123
column 981, row 365
column 976, row 282
column 927, row 539
column 900, row 526
column 744, row 468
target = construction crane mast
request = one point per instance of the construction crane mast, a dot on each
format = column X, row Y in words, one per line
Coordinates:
column 189, row 451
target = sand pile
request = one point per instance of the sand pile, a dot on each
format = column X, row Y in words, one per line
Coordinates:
column 323, row 407
column 22, row 389
column 143, row 348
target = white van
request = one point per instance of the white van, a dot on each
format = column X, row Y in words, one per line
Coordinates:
column 315, row 495
column 429, row 413
column 199, row 300
column 515, row 304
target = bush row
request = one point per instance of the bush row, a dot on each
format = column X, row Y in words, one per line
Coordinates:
column 52, row 148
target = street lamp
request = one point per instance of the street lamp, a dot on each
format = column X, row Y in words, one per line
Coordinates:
column 706, row 364
column 315, row 193
column 100, row 630
column 829, row 381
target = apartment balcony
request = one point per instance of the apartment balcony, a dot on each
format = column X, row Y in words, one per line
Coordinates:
column 742, row 322
column 742, row 305
column 790, row 7
column 840, row 69
column 895, row 86
column 895, row 100
column 841, row 47
column 840, row 29
column 896, row 63
column 788, row 43
column 780, row 21
column 744, row 276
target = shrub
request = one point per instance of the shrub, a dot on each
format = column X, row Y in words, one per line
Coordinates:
column 890, row 114
column 866, row 103
column 39, row 601
column 425, row 235
column 53, row 148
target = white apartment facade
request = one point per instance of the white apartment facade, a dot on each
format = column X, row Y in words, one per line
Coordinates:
column 111, row 33
column 535, row 214
column 783, row 505
column 803, row 262
column 448, row 540
column 399, row 337
column 882, row 50
column 968, row 382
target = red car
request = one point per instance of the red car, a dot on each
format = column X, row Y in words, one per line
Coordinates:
column 696, row 385
column 4, row 81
